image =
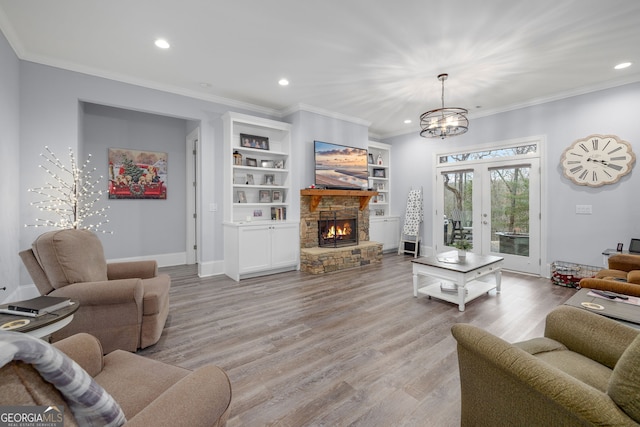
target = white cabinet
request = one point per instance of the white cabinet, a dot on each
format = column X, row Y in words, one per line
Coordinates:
column 385, row 230
column 256, row 249
column 259, row 238
column 379, row 178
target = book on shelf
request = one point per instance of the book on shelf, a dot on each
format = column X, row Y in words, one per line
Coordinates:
column 450, row 288
column 278, row 214
column 36, row 306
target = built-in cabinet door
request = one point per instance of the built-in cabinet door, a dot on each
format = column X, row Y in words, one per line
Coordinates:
column 385, row 230
column 284, row 245
column 255, row 249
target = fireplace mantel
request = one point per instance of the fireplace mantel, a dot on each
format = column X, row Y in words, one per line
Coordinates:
column 317, row 194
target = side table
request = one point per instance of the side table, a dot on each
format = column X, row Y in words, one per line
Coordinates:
column 40, row 326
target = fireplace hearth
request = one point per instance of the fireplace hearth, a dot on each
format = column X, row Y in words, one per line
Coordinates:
column 338, row 228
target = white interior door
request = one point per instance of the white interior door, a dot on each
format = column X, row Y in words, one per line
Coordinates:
column 494, row 205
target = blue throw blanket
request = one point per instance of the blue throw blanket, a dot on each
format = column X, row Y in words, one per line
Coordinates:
column 91, row 404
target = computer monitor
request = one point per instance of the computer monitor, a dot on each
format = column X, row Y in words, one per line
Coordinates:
column 634, row 246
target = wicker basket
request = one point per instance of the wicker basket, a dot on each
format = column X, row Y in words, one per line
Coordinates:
column 568, row 274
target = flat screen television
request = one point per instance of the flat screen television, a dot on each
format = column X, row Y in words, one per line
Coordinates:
column 340, row 166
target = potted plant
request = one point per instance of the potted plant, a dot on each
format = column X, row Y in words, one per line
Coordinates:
column 463, row 245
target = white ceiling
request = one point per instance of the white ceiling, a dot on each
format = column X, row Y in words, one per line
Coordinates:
column 374, row 60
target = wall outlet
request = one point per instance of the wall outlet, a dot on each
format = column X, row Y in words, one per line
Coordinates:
column 584, row 209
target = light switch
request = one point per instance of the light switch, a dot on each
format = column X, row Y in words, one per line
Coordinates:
column 213, row 207
column 584, row 209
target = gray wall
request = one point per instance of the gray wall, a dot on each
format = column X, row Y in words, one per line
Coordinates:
column 10, row 225
column 142, row 227
column 309, row 127
column 569, row 237
column 50, row 115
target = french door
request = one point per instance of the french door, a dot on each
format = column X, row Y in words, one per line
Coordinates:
column 493, row 204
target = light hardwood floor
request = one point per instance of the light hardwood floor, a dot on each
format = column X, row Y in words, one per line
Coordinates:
column 345, row 348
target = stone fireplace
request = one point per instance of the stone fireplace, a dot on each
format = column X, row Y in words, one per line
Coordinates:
column 338, row 228
column 327, row 204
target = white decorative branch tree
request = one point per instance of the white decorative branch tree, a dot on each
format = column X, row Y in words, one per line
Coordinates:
column 70, row 195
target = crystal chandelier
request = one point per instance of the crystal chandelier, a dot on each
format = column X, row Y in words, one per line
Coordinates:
column 444, row 122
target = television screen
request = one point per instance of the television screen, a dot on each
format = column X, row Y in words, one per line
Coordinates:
column 339, row 166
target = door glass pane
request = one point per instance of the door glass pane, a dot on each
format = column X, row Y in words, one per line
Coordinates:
column 458, row 209
column 510, row 210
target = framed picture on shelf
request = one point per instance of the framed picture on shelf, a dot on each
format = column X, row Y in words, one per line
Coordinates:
column 276, row 196
column 257, row 213
column 380, row 198
column 254, row 141
column 377, row 173
column 379, row 212
column 269, row 179
column 242, row 198
column 371, row 159
column 252, row 162
column 249, row 179
column 279, row 164
column 267, row 164
column 265, row 196
column 380, row 186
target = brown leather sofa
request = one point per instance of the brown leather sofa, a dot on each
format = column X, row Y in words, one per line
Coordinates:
column 125, row 305
column 622, row 276
column 150, row 393
column 585, row 371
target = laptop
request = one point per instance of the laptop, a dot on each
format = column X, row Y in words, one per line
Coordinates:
column 634, row 246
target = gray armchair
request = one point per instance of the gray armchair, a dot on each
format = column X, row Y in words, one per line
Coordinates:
column 125, row 305
column 584, row 371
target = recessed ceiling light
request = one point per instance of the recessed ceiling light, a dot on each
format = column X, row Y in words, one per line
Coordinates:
column 283, row 82
column 407, row 121
column 205, row 84
column 622, row 65
column 163, row 44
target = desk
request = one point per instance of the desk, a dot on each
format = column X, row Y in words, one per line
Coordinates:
column 41, row 326
column 463, row 274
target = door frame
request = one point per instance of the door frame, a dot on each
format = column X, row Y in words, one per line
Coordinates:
column 192, row 207
column 540, row 141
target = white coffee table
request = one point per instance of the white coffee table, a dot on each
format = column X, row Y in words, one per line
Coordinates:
column 446, row 267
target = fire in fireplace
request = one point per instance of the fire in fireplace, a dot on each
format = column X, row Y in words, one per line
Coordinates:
column 338, row 228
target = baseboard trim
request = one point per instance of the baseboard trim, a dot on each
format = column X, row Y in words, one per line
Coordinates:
column 211, row 268
column 163, row 260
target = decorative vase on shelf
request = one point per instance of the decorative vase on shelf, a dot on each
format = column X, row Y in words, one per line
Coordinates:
column 380, row 159
column 237, row 158
column 462, row 255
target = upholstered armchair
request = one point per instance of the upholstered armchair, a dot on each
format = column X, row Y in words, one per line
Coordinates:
column 125, row 305
column 622, row 276
column 120, row 388
column 584, row 371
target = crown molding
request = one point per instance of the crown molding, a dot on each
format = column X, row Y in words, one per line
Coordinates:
column 148, row 84
column 331, row 114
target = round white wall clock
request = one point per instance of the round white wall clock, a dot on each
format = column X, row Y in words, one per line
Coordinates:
column 597, row 160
